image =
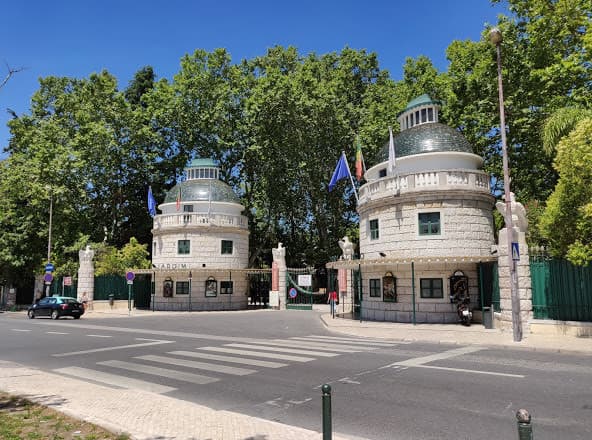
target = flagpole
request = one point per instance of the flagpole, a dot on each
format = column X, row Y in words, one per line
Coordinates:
column 350, row 176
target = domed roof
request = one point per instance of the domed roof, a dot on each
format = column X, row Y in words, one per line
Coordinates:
column 421, row 100
column 426, row 138
column 198, row 190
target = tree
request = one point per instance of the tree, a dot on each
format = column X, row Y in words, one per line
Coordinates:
column 9, row 72
column 567, row 220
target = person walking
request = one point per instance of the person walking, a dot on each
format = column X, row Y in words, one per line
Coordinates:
column 332, row 300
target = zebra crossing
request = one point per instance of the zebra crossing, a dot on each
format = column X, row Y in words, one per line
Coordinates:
column 245, row 359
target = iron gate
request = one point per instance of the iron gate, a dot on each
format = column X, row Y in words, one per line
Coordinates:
column 298, row 297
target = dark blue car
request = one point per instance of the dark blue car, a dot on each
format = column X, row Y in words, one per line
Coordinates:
column 55, row 307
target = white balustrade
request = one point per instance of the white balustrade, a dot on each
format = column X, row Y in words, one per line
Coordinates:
column 432, row 180
column 185, row 219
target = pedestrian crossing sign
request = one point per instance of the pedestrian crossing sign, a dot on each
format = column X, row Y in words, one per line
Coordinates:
column 515, row 252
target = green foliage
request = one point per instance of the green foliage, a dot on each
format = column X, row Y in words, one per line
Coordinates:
column 277, row 124
column 567, row 220
column 111, row 261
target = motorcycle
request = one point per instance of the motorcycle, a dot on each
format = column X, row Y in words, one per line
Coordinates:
column 461, row 296
column 464, row 312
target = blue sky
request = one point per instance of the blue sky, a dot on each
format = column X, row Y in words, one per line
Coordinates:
column 75, row 38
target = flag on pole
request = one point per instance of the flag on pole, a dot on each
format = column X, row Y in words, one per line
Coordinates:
column 341, row 171
column 359, row 160
column 391, row 157
column 179, row 197
column 151, row 202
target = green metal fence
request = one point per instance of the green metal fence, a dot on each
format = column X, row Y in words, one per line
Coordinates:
column 106, row 285
column 561, row 290
column 58, row 288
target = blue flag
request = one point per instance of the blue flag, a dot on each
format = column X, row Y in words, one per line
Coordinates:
column 341, row 171
column 151, row 202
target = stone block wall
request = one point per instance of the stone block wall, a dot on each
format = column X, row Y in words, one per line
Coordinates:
column 427, row 310
column 466, row 229
column 205, row 248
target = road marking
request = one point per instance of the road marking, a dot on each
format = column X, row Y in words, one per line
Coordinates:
column 284, row 357
column 330, row 347
column 162, row 372
column 19, row 330
column 113, row 379
column 235, row 360
column 463, row 370
column 348, row 341
column 57, row 333
column 118, row 347
column 420, row 362
column 99, row 336
column 198, row 365
column 284, row 350
column 414, row 362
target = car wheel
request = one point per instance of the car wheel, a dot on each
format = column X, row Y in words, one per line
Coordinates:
column 31, row 314
column 55, row 314
column 77, row 317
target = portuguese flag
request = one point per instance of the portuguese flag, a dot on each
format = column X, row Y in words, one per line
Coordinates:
column 359, row 160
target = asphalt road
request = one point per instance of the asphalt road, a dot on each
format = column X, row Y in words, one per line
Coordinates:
column 272, row 365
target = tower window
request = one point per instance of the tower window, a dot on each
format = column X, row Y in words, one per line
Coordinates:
column 374, row 229
column 430, row 114
column 431, row 288
column 183, row 247
column 429, row 223
column 227, row 247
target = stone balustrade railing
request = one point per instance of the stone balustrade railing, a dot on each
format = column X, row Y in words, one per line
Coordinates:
column 187, row 219
column 433, row 180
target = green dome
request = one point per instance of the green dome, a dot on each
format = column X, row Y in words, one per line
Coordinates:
column 421, row 100
column 426, row 138
column 198, row 190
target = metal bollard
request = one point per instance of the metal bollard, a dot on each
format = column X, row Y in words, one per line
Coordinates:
column 524, row 426
column 327, row 434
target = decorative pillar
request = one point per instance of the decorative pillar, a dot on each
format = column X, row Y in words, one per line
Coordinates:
column 86, row 274
column 277, row 296
column 522, row 269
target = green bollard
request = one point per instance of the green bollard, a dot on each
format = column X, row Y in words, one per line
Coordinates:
column 524, row 426
column 327, row 435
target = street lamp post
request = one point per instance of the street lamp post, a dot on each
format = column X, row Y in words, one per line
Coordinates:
column 50, row 219
column 495, row 36
column 47, row 285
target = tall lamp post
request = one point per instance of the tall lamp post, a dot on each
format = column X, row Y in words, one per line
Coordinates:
column 495, row 36
column 48, row 284
column 50, row 219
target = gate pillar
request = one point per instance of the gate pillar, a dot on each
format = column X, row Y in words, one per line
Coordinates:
column 86, row 274
column 278, row 278
column 504, row 319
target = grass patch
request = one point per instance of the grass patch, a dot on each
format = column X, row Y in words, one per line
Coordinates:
column 21, row 419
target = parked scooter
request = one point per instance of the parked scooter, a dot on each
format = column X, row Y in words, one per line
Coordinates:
column 463, row 302
column 464, row 312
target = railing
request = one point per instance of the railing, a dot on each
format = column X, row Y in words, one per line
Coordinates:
column 432, row 180
column 193, row 219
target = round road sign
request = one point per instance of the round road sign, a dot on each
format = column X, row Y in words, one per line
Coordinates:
column 48, row 277
column 130, row 276
column 292, row 292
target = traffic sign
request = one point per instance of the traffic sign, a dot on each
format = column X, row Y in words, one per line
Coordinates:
column 48, row 278
column 49, row 267
column 292, row 292
column 130, row 276
column 515, row 251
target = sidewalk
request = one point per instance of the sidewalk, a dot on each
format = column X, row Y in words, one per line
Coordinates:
column 457, row 334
